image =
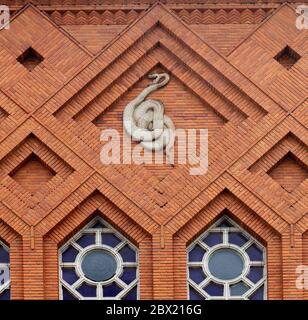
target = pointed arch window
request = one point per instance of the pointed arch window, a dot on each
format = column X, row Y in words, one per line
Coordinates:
column 4, row 272
column 226, row 262
column 98, row 263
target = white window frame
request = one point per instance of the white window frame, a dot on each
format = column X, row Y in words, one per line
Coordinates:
column 7, row 284
column 240, row 250
column 98, row 245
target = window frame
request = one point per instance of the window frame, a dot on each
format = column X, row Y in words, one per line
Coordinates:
column 225, row 244
column 7, row 284
column 98, row 245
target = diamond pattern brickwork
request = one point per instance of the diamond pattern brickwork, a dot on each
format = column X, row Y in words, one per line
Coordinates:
column 30, row 59
column 44, row 53
column 59, row 88
column 32, row 173
column 289, row 172
column 265, row 46
column 287, row 57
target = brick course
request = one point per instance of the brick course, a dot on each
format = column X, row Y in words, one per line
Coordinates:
column 223, row 77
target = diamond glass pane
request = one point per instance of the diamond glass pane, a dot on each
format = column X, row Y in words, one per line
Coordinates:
column 69, row 255
column 69, row 275
column 237, row 238
column 128, row 254
column 4, row 272
column 194, row 295
column 196, row 274
column 128, row 275
column 214, row 289
column 196, row 254
column 255, row 274
column 5, row 295
column 238, row 289
column 4, row 255
column 87, row 291
column 112, row 290
column 132, row 295
column 213, row 238
column 255, row 253
column 110, row 240
column 67, row 295
column 86, row 240
column 258, row 294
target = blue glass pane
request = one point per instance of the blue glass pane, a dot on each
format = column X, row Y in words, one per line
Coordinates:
column 214, row 289
column 110, row 240
column 196, row 274
column 132, row 295
column 255, row 274
column 128, row 275
column 128, row 254
column 67, row 295
column 194, row 295
column 5, row 295
column 4, row 255
column 69, row 255
column 258, row 294
column 237, row 238
column 238, row 289
column 226, row 264
column 254, row 253
column 69, row 275
column 112, row 290
column 86, row 240
column 98, row 225
column 196, row 254
column 213, row 238
column 99, row 265
column 224, row 224
column 87, row 291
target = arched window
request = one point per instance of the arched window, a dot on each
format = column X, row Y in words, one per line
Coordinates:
column 4, row 272
column 98, row 263
column 226, row 262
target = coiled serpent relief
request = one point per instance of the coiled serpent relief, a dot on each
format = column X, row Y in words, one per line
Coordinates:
column 144, row 120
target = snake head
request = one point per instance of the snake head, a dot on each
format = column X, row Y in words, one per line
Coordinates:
column 157, row 78
column 154, row 76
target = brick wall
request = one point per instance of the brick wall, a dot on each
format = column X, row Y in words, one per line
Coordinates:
column 223, row 78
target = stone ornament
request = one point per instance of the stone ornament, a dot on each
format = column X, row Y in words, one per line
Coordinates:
column 145, row 122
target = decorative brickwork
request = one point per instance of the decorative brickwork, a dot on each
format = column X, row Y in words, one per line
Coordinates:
column 67, row 71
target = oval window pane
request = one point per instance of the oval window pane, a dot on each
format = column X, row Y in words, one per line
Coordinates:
column 99, row 265
column 226, row 264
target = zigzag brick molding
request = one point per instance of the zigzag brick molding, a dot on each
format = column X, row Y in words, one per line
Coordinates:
column 68, row 69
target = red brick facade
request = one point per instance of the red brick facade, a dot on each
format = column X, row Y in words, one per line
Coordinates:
column 226, row 76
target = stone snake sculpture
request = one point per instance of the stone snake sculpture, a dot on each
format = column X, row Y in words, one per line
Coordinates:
column 144, row 120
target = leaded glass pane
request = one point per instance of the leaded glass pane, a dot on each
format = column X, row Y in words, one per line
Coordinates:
column 214, row 289
column 196, row 254
column 196, row 274
column 213, row 238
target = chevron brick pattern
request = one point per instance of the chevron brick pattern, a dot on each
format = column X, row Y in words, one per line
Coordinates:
column 52, row 181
